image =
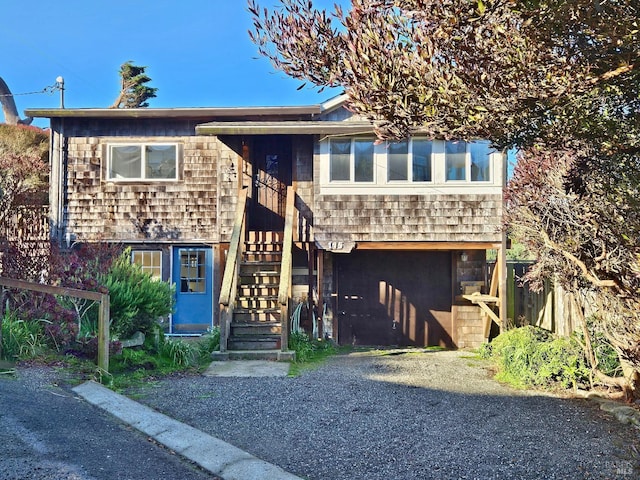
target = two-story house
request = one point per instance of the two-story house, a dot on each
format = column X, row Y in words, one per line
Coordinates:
column 386, row 237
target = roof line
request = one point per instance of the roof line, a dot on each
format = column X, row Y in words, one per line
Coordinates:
column 171, row 112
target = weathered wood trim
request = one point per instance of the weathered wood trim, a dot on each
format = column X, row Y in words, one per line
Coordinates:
column 230, row 277
column 426, row 245
column 234, row 249
column 284, row 292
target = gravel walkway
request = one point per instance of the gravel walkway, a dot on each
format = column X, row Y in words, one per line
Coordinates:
column 402, row 415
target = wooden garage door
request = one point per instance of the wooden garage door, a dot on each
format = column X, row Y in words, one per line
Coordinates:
column 394, row 298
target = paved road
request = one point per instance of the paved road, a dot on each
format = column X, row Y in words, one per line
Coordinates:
column 48, row 433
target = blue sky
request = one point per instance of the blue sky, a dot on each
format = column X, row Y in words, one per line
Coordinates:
column 197, row 53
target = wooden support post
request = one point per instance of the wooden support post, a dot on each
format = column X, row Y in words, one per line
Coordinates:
column 103, row 333
column 319, row 282
column 3, row 296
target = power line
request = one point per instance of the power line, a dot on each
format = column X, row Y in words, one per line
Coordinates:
column 50, row 90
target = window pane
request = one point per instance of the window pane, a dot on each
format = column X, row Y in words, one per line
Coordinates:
column 397, row 164
column 126, row 162
column 150, row 262
column 421, row 160
column 192, row 271
column 363, row 159
column 456, row 160
column 480, row 165
column 160, row 161
column 340, row 160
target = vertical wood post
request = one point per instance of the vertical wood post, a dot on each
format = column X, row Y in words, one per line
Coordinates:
column 3, row 296
column 103, row 333
column 320, row 280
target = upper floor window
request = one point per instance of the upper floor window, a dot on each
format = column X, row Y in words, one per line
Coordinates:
column 143, row 162
column 150, row 262
column 351, row 160
column 468, row 161
column 409, row 160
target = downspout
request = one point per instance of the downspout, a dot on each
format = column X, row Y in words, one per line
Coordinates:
column 61, row 183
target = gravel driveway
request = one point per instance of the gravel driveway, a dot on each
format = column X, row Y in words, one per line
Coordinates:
column 402, row 415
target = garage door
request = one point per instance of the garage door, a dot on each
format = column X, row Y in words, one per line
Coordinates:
column 394, row 298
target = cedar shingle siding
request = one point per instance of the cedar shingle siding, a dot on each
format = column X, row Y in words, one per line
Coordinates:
column 379, row 218
column 183, row 210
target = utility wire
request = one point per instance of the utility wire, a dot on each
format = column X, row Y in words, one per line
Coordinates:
column 50, row 90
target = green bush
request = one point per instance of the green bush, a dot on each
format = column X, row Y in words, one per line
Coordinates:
column 307, row 349
column 137, row 300
column 530, row 356
column 22, row 339
column 180, row 353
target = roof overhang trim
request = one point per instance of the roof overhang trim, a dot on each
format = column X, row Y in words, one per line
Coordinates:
column 285, row 127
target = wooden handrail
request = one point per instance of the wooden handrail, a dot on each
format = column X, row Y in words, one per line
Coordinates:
column 234, row 252
column 284, row 291
column 231, row 269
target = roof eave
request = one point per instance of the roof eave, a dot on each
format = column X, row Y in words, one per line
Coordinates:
column 284, row 128
column 199, row 112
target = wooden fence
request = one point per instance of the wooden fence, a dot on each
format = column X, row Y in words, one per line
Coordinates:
column 552, row 308
column 103, row 312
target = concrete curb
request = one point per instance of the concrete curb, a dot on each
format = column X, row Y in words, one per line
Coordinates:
column 212, row 454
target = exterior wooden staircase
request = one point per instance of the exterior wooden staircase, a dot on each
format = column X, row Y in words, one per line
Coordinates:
column 255, row 330
column 255, row 292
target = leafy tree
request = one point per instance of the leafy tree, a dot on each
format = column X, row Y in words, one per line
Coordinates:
column 512, row 71
column 559, row 80
column 134, row 91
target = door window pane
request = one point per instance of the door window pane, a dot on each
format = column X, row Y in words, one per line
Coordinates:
column 480, row 164
column 192, row 271
column 397, row 163
column 339, row 164
column 456, row 160
column 421, row 160
column 363, row 160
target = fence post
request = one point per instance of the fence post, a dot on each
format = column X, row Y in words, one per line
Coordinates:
column 103, row 333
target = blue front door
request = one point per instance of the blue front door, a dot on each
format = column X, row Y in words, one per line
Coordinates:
column 193, row 276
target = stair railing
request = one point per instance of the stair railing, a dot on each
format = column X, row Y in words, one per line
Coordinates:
column 232, row 269
column 284, row 292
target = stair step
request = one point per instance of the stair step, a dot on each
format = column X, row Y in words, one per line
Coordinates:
column 265, row 268
column 274, row 355
column 263, row 247
column 255, row 257
column 257, row 302
column 258, row 290
column 265, row 237
column 242, row 315
column 260, row 279
column 255, row 328
column 262, row 342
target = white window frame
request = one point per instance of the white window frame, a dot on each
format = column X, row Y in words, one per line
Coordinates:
column 352, row 162
column 438, row 184
column 152, row 268
column 467, row 168
column 410, row 162
column 143, row 159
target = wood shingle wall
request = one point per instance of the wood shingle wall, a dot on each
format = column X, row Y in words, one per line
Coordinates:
column 432, row 217
column 184, row 210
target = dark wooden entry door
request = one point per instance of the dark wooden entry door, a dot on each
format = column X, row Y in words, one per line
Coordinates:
column 271, row 161
column 394, row 298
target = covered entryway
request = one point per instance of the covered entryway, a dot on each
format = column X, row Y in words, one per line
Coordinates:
column 271, row 163
column 193, row 276
column 394, row 298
